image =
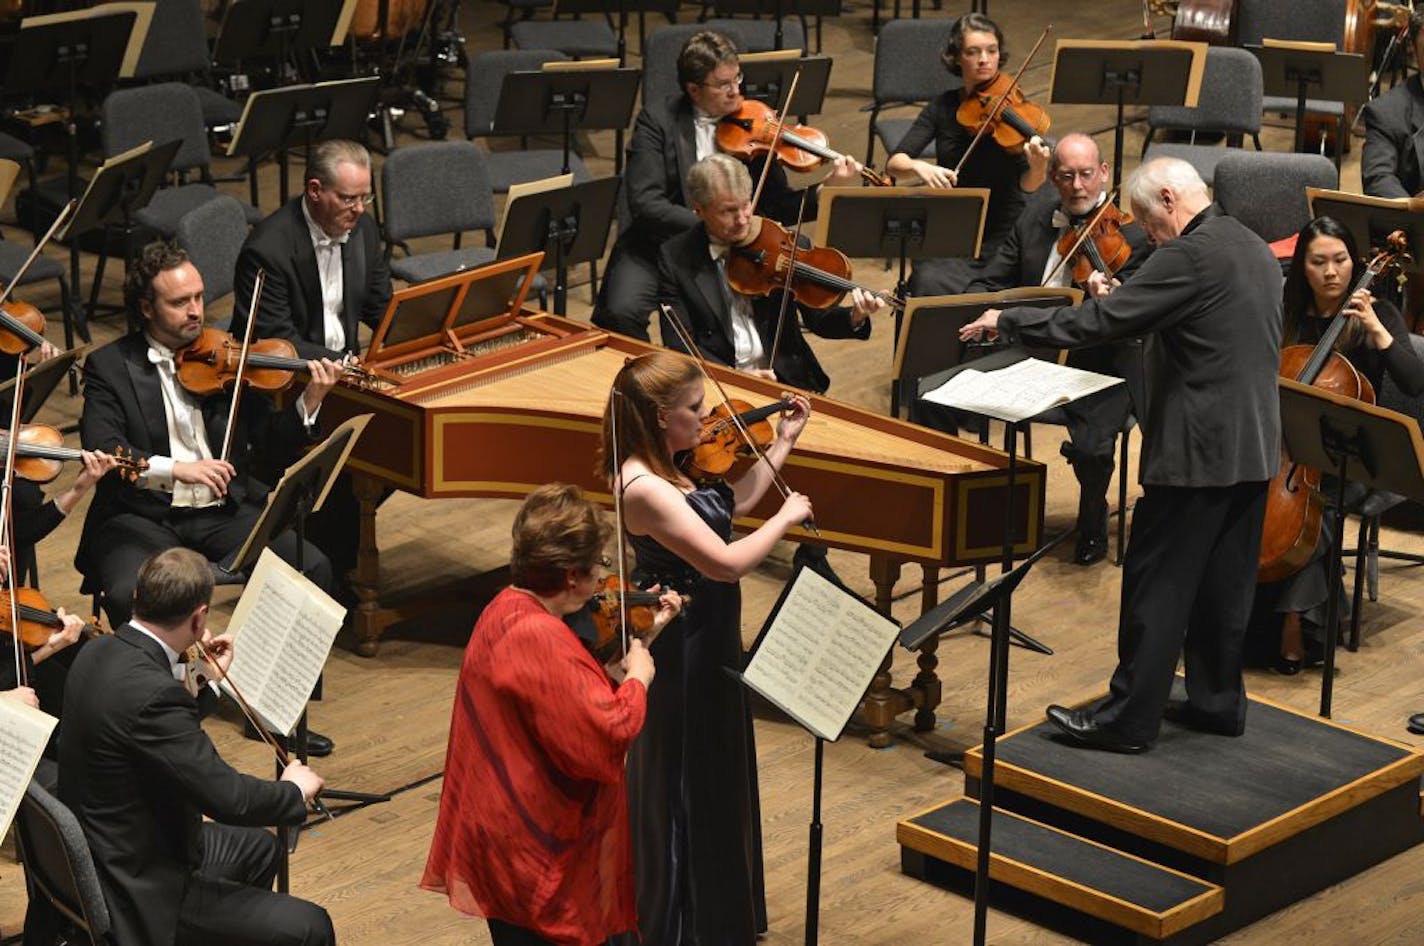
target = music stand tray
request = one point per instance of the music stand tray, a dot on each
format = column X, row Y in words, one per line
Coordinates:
column 1310, row 70
column 274, row 119
column 916, row 222
column 271, row 29
column 83, row 47
column 123, row 184
column 40, row 382
column 549, row 102
column 1370, row 219
column 766, row 77
column 568, row 224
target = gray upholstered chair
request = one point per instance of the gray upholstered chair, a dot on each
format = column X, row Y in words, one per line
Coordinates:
column 663, row 45
column 59, row 872
column 213, row 234
column 519, row 10
column 436, row 188
column 759, row 35
column 907, row 71
column 1265, row 190
column 176, row 46
column 483, row 81
column 591, row 38
column 1230, row 105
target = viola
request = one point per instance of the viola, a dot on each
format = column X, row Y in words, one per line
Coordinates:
column 998, row 109
column 209, row 363
column 39, row 453
column 721, row 443
column 1098, row 246
column 38, row 621
column 820, row 277
column 606, row 607
column 750, row 131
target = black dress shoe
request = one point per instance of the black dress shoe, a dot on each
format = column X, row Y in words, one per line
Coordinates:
column 318, row 746
column 1287, row 666
column 1090, row 549
column 1080, row 726
column 1183, row 713
column 1416, row 724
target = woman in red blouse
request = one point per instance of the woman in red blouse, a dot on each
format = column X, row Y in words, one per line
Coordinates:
column 533, row 825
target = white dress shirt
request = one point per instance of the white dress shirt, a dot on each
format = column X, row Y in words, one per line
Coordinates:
column 187, row 436
column 329, row 270
column 748, row 351
column 704, row 133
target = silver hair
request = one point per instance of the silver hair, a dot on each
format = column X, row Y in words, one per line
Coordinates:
column 717, row 174
column 1144, row 186
column 328, row 155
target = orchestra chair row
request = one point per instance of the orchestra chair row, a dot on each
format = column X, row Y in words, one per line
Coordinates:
column 907, row 72
column 63, row 885
column 1229, row 106
column 43, row 269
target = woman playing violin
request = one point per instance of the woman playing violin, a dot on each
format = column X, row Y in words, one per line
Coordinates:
column 976, row 52
column 533, row 826
column 1376, row 342
column 692, row 773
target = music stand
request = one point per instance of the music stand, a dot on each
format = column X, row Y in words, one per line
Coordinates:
column 40, row 382
column 1355, row 440
column 1126, row 72
column 766, row 77
column 779, row 10
column 1370, row 219
column 275, row 120
column 622, row 8
column 1294, row 70
column 570, row 223
column 562, row 102
column 275, row 29
column 123, row 185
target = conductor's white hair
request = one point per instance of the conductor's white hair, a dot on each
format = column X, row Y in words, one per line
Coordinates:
column 1144, row 187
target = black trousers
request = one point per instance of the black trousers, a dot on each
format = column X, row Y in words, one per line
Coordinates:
column 1187, row 584
column 214, row 532
column 629, row 293
column 230, row 900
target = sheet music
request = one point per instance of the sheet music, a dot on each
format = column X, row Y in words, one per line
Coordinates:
column 1020, row 391
column 23, row 734
column 284, row 627
column 816, row 659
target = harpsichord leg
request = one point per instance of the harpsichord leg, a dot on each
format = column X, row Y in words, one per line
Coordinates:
column 882, row 702
column 366, row 622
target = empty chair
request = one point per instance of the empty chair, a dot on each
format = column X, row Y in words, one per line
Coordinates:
column 519, row 9
column 1266, row 190
column 908, row 71
column 431, row 189
column 212, row 235
column 1230, row 105
column 176, row 46
column 65, row 895
column 592, row 38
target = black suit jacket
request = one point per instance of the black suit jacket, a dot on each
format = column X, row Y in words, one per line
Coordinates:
column 139, row 773
column 123, row 406
column 690, row 282
column 291, row 296
column 1212, row 297
column 1392, row 163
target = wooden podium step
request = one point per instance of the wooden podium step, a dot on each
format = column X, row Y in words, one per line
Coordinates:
column 1083, row 876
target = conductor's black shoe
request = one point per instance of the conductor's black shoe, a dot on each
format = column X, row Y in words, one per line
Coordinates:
column 318, row 746
column 1184, row 714
column 1080, row 726
column 1090, row 549
column 1416, row 724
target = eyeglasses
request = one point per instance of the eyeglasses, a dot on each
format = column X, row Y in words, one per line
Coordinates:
column 1067, row 175
column 726, row 85
column 352, row 201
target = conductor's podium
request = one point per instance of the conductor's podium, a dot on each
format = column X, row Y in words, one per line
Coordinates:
column 478, row 396
column 1200, row 836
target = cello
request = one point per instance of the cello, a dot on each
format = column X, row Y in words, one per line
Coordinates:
column 1294, row 502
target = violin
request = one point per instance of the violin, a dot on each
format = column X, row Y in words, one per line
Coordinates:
column 21, row 327
column 1097, row 246
column 1011, row 124
column 750, row 131
column 606, row 606
column 39, row 452
column 209, row 363
column 38, row 621
column 721, row 443
column 819, row 279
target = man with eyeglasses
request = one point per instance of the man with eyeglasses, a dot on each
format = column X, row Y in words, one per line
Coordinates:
column 322, row 255
column 668, row 138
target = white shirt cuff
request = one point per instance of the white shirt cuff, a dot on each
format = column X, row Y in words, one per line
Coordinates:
column 159, row 474
column 307, row 422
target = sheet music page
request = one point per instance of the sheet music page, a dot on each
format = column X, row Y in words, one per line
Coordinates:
column 1020, row 391
column 283, row 627
column 23, row 734
column 816, row 660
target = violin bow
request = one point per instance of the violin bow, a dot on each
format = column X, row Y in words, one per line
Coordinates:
column 775, row 139
column 614, row 401
column 10, row 322
column 686, row 336
column 283, row 759
column 1082, row 235
column 7, row 519
column 786, row 288
column 1003, row 100
column 242, row 363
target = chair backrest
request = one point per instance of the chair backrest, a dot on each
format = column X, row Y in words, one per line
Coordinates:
column 212, row 234
column 1396, row 400
column 176, row 42
column 166, row 111
column 437, row 187
column 664, row 44
column 58, row 863
column 907, row 63
column 1315, row 21
column 485, row 77
column 1230, row 101
column 1265, row 190
column 759, row 36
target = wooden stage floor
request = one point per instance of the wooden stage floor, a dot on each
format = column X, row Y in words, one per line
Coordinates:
column 389, row 716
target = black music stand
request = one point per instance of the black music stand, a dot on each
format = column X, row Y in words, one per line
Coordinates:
column 562, row 102
column 1292, row 71
column 1369, row 219
column 122, row 186
column 1123, row 73
column 275, row 120
column 767, row 81
column 60, row 52
column 779, row 10
column 570, row 223
column 40, row 382
column 902, row 223
column 1378, row 448
column 621, row 8
column 275, row 29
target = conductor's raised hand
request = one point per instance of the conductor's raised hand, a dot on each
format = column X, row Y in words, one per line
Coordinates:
column 793, row 419
column 986, row 326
